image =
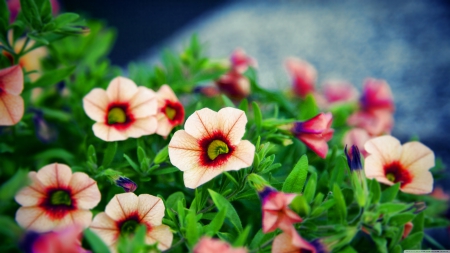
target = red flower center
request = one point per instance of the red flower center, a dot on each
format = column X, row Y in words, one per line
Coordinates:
column 130, row 224
column 395, row 173
column 119, row 116
column 58, row 203
column 216, row 150
column 174, row 112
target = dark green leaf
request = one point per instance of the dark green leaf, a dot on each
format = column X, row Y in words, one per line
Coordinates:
column 380, row 242
column 341, row 207
column 221, row 203
column 260, row 238
column 110, row 152
column 132, row 163
column 338, row 173
column 4, row 18
column 227, row 102
column 53, row 77
column 91, row 154
column 162, row 155
column 258, row 116
column 375, row 191
column 413, row 241
column 242, row 238
column 296, row 179
column 165, row 171
column 10, row 187
column 216, row 224
column 390, row 193
column 141, row 154
column 65, row 18
column 310, row 189
column 56, row 153
column 31, row 13
column 401, row 219
column 244, row 105
column 96, row 243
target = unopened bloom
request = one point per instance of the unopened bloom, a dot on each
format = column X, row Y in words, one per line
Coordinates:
column 303, row 75
column 211, row 144
column 125, row 212
column 275, row 210
column 389, row 162
column 357, row 137
column 292, row 242
column 11, row 103
column 67, row 240
column 358, row 178
column 122, row 111
column 315, row 133
column 407, row 228
column 234, row 84
column 208, row 245
column 353, row 158
column 170, row 111
column 240, row 61
column 127, row 184
column 56, row 199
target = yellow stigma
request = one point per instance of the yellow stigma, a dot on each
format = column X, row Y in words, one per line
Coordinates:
column 216, row 148
column 170, row 113
column 116, row 115
column 390, row 177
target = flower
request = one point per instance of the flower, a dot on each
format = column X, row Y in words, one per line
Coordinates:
column 377, row 95
column 56, row 199
column 439, row 193
column 303, row 75
column 389, row 162
column 11, row 103
column 209, row 91
column 67, row 240
column 375, row 122
column 211, row 144
column 358, row 179
column 127, row 184
column 122, row 111
column 170, row 111
column 291, row 241
column 275, row 210
column 123, row 215
column 357, row 137
column 353, row 158
column 240, row 61
column 208, row 245
column 234, row 84
column 45, row 132
column 315, row 133
column 339, row 91
column 407, row 228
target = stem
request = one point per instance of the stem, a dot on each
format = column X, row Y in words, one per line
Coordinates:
column 21, row 52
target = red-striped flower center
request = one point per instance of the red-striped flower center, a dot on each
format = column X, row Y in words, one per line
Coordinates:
column 119, row 116
column 58, row 202
column 216, row 150
column 174, row 111
column 129, row 225
column 395, row 173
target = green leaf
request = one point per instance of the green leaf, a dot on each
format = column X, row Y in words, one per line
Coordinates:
column 53, row 77
column 242, row 238
column 296, row 179
column 418, row 223
column 323, row 207
column 4, row 18
column 390, row 193
column 381, row 243
column 307, row 108
column 192, row 233
column 260, row 238
column 392, row 207
column 375, row 191
column 162, row 155
column 31, row 13
column 132, row 163
column 338, row 173
column 216, row 224
column 301, row 206
column 172, row 200
column 221, row 203
column 38, row 38
column 348, row 249
column 56, row 153
column 96, row 243
column 258, row 116
column 310, row 189
column 413, row 241
column 244, row 105
column 141, row 154
column 401, row 219
column 13, row 185
column 396, row 249
column 341, row 207
column 165, row 171
column 110, row 152
column 9, row 227
column 91, row 154
column 65, row 18
column 227, row 101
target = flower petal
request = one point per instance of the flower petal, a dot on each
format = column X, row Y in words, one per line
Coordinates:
column 143, row 103
column 160, row 234
column 164, row 126
column 11, row 109
column 386, row 148
column 122, row 205
column 33, row 218
column 33, row 194
column 151, row 209
column 55, row 175
column 11, row 80
column 84, row 190
column 105, row 227
column 316, row 142
column 184, row 151
column 199, row 175
column 107, row 133
column 202, row 123
column 142, row 126
column 121, row 89
column 80, row 217
column 374, row 168
column 242, row 156
column 95, row 104
column 232, row 122
column 422, row 183
column 416, row 157
column 165, row 92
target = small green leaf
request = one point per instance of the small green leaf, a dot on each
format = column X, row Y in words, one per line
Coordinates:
column 310, row 189
column 96, row 243
column 396, row 249
column 301, row 206
column 390, row 193
column 38, row 38
column 221, row 203
column 4, row 18
column 53, row 77
column 338, row 173
column 413, row 241
column 227, row 101
column 56, row 153
column 375, row 191
column 132, row 163
column 91, row 154
column 162, row 155
column 381, row 243
column 389, row 208
column 31, row 13
column 141, row 154
column 110, row 152
column 260, row 238
column 216, row 224
column 244, row 105
column 307, row 108
column 65, row 18
column 165, row 171
column 296, row 179
column 13, row 185
column 242, row 238
column 258, row 116
column 401, row 219
column 192, row 233
column 322, row 208
column 341, row 207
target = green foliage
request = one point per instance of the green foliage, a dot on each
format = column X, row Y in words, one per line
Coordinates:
column 296, row 179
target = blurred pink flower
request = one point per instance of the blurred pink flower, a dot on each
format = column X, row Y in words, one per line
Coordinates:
column 56, row 199
column 240, row 61
column 357, row 137
column 275, row 210
column 209, row 245
column 211, row 144
column 303, row 75
column 377, row 95
column 291, row 242
column 125, row 212
column 407, row 228
column 122, row 111
column 315, row 133
column 234, row 84
column 439, row 193
column 389, row 162
column 339, row 91
column 11, row 103
column 170, row 111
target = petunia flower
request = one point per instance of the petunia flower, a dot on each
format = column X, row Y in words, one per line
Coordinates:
column 211, row 144
column 292, row 242
column 122, row 111
column 375, row 122
column 240, row 61
column 170, row 111
column 208, row 245
column 275, row 210
column 315, row 133
column 123, row 215
column 11, row 103
column 389, row 162
column 56, row 199
column 303, row 75
column 125, row 183
column 234, row 84
column 357, row 137
column 67, row 240
column 336, row 91
column 377, row 95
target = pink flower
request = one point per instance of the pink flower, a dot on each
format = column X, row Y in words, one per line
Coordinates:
column 315, row 133
column 389, row 162
column 234, row 84
column 122, row 111
column 275, row 210
column 11, row 103
column 126, row 184
column 211, row 144
column 67, row 240
column 56, row 199
column 208, row 245
column 170, row 111
column 375, row 122
column 125, row 212
column 357, row 137
column 339, row 91
column 303, row 75
column 240, row 61
column 439, row 193
column 377, row 95
column 292, row 242
column 407, row 228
